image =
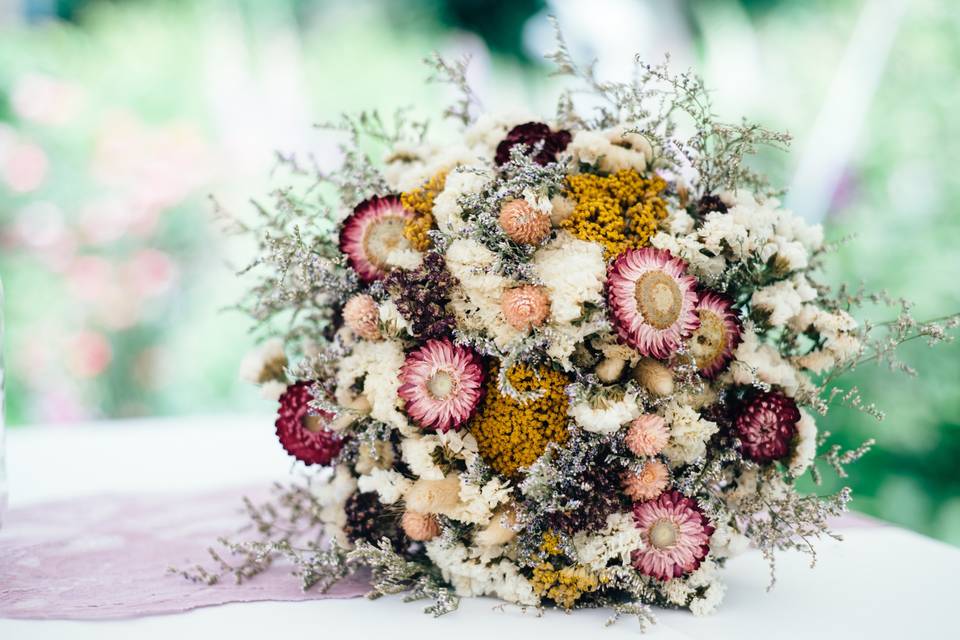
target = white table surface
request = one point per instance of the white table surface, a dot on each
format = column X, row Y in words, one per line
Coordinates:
column 882, row 582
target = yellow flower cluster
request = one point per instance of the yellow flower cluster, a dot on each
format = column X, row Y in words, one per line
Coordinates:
column 620, row 211
column 420, row 201
column 550, row 544
column 511, row 434
column 563, row 586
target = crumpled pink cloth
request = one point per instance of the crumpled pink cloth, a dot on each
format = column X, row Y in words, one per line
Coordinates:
column 107, row 557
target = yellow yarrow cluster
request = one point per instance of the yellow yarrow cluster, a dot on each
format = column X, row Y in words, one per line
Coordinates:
column 420, row 201
column 620, row 211
column 511, row 434
column 550, row 544
column 563, row 586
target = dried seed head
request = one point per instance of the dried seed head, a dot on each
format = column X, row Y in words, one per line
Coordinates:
column 434, row 496
column 524, row 224
column 654, row 376
column 421, row 527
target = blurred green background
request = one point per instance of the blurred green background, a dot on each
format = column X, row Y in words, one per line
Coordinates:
column 117, row 119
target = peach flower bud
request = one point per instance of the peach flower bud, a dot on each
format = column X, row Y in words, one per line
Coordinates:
column 654, row 376
column 647, row 435
column 362, row 316
column 524, row 224
column 648, row 483
column 421, row 527
column 525, row 307
column 434, row 496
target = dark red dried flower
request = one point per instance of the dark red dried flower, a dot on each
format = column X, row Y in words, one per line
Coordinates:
column 531, row 134
column 304, row 434
column 765, row 424
column 369, row 521
column 709, row 203
column 422, row 296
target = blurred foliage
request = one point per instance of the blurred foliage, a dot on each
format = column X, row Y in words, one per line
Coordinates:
column 208, row 88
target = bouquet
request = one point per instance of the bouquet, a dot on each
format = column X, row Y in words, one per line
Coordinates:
column 567, row 362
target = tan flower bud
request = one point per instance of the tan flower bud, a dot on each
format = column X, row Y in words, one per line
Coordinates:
column 610, row 369
column 654, row 376
column 434, row 496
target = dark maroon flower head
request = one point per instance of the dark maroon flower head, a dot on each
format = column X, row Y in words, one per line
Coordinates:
column 531, row 134
column 709, row 203
column 765, row 424
column 305, row 434
column 422, row 295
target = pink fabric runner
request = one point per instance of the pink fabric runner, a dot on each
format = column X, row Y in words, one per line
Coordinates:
column 107, row 557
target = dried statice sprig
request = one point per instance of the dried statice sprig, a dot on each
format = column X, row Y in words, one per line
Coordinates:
column 650, row 105
column 777, row 518
column 455, row 74
column 291, row 518
column 838, row 458
column 392, row 573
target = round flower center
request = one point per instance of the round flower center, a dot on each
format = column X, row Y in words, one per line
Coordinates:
column 663, row 534
column 710, row 340
column 767, row 422
column 382, row 237
column 659, row 299
column 441, row 385
column 313, row 424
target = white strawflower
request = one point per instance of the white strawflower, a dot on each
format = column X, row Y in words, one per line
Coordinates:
column 378, row 365
column 688, row 433
column 417, row 452
column 619, row 538
column 759, row 362
column 481, row 290
column 264, row 363
column 603, row 415
column 390, row 485
column 805, row 445
column 472, row 572
column 447, row 211
column 574, row 272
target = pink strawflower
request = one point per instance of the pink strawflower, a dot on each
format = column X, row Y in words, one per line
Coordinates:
column 648, row 483
column 362, row 316
column 525, row 307
column 652, row 300
column 371, row 233
column 442, row 384
column 766, row 425
column 647, row 435
column 676, row 536
column 719, row 333
column 524, row 224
